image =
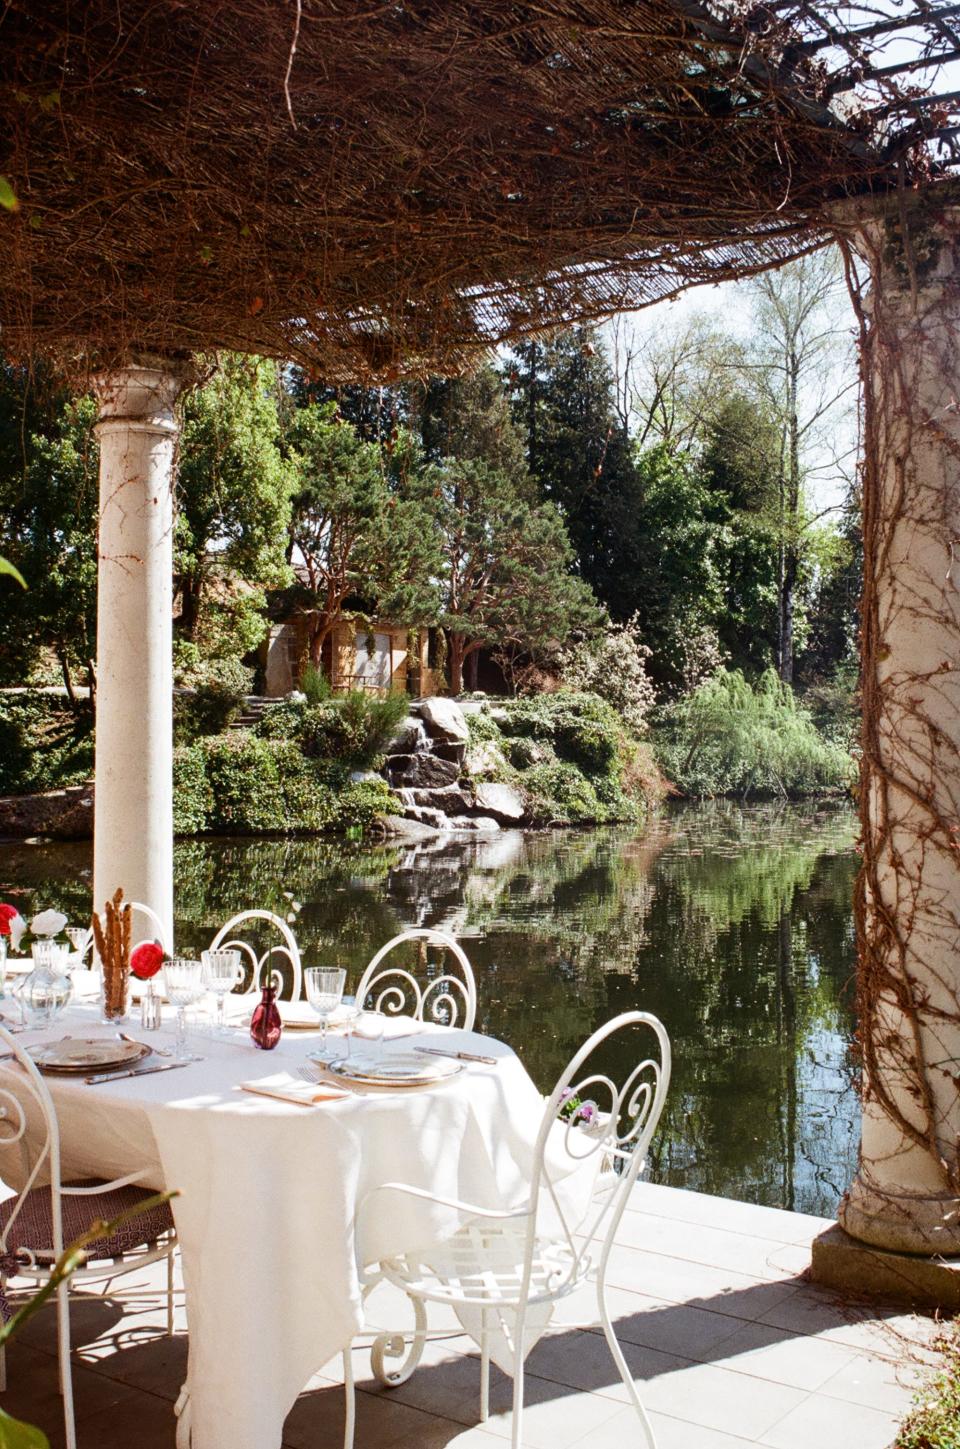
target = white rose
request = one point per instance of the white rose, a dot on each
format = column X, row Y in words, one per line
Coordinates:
column 48, row 923
column 17, row 927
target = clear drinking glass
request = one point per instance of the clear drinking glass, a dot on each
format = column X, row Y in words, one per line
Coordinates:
column 221, row 972
column 79, row 938
column 324, row 991
column 372, row 1024
column 183, row 984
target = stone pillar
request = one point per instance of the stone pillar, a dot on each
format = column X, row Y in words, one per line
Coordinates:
column 133, row 827
column 906, row 1195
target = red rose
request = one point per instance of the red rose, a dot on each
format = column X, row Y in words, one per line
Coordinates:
column 7, row 914
column 146, row 959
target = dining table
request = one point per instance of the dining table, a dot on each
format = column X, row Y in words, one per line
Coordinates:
column 269, row 1191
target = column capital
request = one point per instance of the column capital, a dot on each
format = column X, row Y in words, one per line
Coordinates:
column 140, row 396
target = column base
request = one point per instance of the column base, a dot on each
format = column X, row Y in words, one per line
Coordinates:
column 838, row 1261
column 902, row 1222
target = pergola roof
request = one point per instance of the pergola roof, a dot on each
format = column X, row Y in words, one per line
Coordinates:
column 377, row 188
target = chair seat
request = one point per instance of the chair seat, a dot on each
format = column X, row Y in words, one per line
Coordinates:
column 32, row 1233
column 484, row 1263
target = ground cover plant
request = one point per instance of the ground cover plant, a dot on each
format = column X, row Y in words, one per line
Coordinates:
column 44, row 744
column 934, row 1421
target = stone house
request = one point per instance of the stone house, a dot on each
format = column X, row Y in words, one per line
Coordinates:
column 372, row 655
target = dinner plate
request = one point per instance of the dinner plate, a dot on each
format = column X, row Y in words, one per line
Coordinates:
column 399, row 1069
column 85, row 1054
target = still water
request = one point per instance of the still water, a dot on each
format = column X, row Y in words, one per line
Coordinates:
column 733, row 924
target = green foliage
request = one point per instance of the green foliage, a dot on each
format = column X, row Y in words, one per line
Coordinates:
column 192, row 796
column 506, row 564
column 361, row 534
column 562, row 794
column 219, row 687
column 233, row 491
column 731, row 737
column 48, row 521
column 352, row 728
column 582, row 728
column 244, row 781
column 6, row 567
column 14, row 1434
column 315, row 685
column 934, row 1421
column 613, row 664
column 43, row 744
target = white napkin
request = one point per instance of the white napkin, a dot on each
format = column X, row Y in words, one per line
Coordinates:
column 393, row 1027
column 294, row 1089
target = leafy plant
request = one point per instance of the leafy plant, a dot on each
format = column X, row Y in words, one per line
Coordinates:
column 934, row 1421
column 733, row 737
column 315, row 685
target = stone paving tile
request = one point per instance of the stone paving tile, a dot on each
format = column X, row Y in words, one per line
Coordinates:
column 695, row 1333
column 680, row 1205
column 675, row 1280
column 869, row 1327
column 719, row 1399
column 554, row 1417
column 624, row 1432
column 830, row 1423
column 719, row 1247
column 783, row 1358
column 33, row 1392
column 876, row 1383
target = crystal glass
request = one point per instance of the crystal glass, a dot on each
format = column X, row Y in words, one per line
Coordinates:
column 3, row 967
column 183, row 984
column 324, row 991
column 79, row 938
column 221, row 972
column 47, row 989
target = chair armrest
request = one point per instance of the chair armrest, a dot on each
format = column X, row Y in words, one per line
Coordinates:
column 469, row 1208
column 118, row 1182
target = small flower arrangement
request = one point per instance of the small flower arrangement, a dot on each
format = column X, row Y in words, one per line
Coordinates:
column 45, row 926
column 147, row 959
column 573, row 1109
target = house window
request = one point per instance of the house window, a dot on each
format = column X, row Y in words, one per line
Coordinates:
column 372, row 668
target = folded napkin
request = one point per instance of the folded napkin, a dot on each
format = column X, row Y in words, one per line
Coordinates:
column 393, row 1027
column 294, row 1089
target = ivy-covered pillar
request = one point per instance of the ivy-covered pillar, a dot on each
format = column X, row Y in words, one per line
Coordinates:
column 133, row 824
column 906, row 1194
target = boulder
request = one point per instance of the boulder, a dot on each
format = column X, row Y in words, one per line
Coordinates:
column 474, row 825
column 410, row 735
column 484, row 758
column 451, row 800
column 502, row 801
column 500, row 717
column 444, row 720
column 426, row 772
column 407, row 829
column 363, row 777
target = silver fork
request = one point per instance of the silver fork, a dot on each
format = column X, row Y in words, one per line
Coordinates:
column 156, row 1050
column 312, row 1074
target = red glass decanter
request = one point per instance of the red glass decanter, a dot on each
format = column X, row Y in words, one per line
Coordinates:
column 265, row 1024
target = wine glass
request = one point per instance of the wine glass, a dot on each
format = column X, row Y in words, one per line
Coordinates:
column 221, row 973
column 324, row 990
column 183, row 984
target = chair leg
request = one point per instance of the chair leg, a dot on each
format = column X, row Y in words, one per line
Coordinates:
column 484, row 1367
column 516, row 1438
column 170, row 1294
column 63, row 1355
column 622, row 1367
column 3, row 1369
column 350, row 1399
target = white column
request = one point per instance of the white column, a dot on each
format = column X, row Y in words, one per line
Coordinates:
column 133, row 826
column 906, row 1195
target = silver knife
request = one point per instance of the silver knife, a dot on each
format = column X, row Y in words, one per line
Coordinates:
column 461, row 1056
column 133, row 1072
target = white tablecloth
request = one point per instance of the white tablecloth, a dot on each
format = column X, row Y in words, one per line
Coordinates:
column 269, row 1195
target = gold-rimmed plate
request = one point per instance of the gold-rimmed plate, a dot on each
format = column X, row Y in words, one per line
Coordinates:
column 394, row 1069
column 86, row 1054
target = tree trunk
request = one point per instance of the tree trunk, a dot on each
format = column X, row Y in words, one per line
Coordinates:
column 67, row 681
column 457, row 650
column 191, row 591
column 473, row 667
column 787, row 592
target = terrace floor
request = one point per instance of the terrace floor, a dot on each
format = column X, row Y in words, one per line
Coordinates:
column 731, row 1347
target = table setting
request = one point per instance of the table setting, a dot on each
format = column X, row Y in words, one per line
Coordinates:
column 271, row 1151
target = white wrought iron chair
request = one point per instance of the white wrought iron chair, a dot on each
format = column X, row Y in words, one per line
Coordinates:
column 37, row 1224
column 500, row 1264
column 443, row 999
column 160, row 930
column 225, row 940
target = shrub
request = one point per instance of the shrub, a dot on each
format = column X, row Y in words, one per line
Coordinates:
column 613, row 664
column 362, row 802
column 352, row 728
column 192, row 797
column 44, row 745
column 731, row 737
column 581, row 727
column 561, row 793
column 315, row 685
column 219, row 687
column 245, row 785
column 934, row 1421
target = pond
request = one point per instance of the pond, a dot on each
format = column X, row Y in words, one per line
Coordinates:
column 732, row 923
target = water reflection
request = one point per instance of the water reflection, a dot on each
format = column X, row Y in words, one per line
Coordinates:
column 732, row 924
